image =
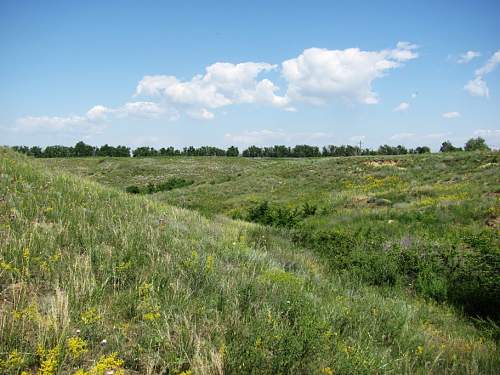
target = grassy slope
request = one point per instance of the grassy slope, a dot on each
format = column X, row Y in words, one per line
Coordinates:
column 169, row 289
column 228, row 185
column 405, row 220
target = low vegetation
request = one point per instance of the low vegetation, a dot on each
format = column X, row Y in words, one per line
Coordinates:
column 170, row 184
column 94, row 279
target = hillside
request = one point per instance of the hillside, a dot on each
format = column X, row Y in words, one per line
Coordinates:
column 426, row 223
column 94, row 279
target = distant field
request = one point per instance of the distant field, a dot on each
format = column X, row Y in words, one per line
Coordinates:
column 362, row 265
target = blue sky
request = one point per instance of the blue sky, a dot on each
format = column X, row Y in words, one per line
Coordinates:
column 252, row 72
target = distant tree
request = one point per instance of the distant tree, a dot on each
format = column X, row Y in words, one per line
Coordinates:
column 169, row 151
column 118, row 151
column 189, row 151
column 36, row 151
column 446, row 146
column 144, row 151
column 22, row 149
column 476, row 144
column 252, row 152
column 422, row 150
column 232, row 151
column 305, row 151
column 81, row 149
column 58, row 151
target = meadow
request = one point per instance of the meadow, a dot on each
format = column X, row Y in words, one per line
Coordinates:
column 355, row 265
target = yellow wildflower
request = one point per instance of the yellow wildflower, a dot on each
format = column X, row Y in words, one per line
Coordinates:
column 76, row 347
column 107, row 363
column 209, row 263
column 14, row 360
column 49, row 358
column 90, row 316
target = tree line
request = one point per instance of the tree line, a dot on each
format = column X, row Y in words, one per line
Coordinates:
column 82, row 149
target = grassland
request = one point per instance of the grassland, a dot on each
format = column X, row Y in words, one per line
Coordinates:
column 94, row 279
column 426, row 221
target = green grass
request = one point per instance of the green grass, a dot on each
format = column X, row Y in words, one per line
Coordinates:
column 173, row 291
column 428, row 222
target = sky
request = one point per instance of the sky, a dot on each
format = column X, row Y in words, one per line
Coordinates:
column 220, row 73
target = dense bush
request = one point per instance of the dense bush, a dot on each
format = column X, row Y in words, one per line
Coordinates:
column 133, row 189
column 467, row 275
column 278, row 216
column 170, row 184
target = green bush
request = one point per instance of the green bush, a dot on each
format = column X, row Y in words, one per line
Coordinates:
column 475, row 284
column 279, row 216
column 133, row 189
column 170, row 184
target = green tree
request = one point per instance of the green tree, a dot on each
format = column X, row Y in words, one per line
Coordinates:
column 446, row 146
column 232, row 151
column 476, row 144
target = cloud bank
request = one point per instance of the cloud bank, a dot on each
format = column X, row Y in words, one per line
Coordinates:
column 316, row 76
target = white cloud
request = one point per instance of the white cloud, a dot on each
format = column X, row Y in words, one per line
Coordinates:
column 318, row 75
column 222, row 84
column 414, row 95
column 451, row 114
column 468, row 56
column 98, row 112
column 70, row 124
column 94, row 120
column 477, row 87
column 490, row 65
column 201, row 114
column 271, row 137
column 403, row 106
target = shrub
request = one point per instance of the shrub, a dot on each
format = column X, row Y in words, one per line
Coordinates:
column 133, row 189
column 150, row 188
column 278, row 216
column 475, row 285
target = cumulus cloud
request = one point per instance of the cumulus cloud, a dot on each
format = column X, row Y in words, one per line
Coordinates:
column 468, row 56
column 451, row 114
column 403, row 106
column 271, row 137
column 222, row 84
column 318, row 75
column 478, row 86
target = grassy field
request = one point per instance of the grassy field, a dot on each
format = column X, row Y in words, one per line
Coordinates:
column 429, row 222
column 94, row 279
